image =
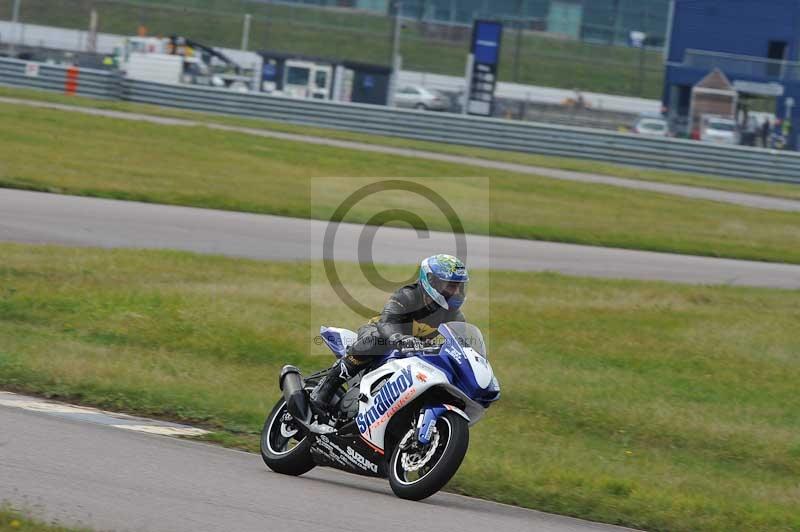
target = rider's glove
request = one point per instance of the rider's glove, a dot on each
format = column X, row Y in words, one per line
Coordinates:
column 407, row 342
column 412, row 342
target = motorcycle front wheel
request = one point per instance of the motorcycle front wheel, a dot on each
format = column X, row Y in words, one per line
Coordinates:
column 285, row 447
column 417, row 472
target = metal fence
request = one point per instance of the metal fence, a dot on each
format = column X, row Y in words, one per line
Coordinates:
column 87, row 82
column 620, row 148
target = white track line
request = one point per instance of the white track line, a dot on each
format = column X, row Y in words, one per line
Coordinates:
column 100, row 417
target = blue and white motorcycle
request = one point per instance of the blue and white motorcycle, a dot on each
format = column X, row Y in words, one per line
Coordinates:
column 408, row 419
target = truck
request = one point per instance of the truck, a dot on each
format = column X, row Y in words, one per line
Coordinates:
column 181, row 60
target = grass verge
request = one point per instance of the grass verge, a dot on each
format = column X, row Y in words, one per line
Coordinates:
column 71, row 153
column 14, row 521
column 652, row 405
column 779, row 190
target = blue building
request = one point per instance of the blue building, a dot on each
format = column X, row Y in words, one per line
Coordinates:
column 755, row 43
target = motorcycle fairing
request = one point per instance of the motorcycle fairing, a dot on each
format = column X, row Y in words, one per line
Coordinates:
column 373, row 418
column 472, row 372
column 349, row 454
column 337, row 339
column 401, row 378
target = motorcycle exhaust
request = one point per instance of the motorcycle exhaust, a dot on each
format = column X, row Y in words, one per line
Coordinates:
column 293, row 388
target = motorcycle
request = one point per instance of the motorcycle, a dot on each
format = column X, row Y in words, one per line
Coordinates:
column 406, row 420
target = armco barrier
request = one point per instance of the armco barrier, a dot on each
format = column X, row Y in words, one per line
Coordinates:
column 87, row 82
column 620, row 148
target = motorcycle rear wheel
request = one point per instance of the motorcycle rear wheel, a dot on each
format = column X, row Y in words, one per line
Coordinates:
column 285, row 448
column 417, row 473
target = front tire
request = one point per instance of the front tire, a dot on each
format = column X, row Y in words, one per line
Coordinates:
column 285, row 448
column 417, row 473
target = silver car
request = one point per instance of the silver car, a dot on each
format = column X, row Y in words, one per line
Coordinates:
column 418, row 97
column 719, row 129
column 651, row 126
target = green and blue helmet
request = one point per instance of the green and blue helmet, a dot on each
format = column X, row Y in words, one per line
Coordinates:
column 444, row 278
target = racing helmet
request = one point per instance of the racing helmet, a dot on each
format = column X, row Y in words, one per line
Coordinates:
column 444, row 279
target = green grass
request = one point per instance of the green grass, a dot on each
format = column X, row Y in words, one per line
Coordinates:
column 14, row 521
column 657, row 406
column 341, row 34
column 561, row 163
column 95, row 156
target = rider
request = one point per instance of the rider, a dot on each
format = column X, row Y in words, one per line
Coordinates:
column 411, row 315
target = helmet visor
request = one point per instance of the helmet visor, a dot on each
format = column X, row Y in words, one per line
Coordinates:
column 454, row 292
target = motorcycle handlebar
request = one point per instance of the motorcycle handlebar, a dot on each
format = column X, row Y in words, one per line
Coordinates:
column 431, row 349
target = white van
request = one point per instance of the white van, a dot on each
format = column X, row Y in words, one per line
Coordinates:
column 304, row 79
column 719, row 129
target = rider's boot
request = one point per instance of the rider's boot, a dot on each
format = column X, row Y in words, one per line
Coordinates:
column 342, row 371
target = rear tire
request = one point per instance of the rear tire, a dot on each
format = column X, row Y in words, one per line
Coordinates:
column 453, row 440
column 284, row 447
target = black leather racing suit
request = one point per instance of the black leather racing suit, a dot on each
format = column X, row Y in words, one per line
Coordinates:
column 409, row 312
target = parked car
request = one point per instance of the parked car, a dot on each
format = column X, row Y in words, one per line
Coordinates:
column 418, row 97
column 719, row 129
column 652, row 126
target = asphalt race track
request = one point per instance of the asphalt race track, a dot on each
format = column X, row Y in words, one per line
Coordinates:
column 112, row 479
column 35, row 217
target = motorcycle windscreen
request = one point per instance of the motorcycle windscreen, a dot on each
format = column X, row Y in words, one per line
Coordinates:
column 465, row 348
column 466, row 335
